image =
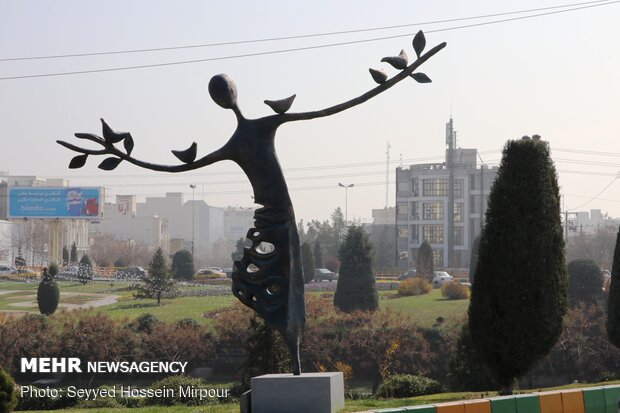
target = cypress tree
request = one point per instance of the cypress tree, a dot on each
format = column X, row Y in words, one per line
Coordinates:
column 307, row 262
column 20, row 261
column 65, row 255
column 183, row 265
column 613, row 304
column 73, row 259
column 48, row 293
column 356, row 284
column 473, row 259
column 585, row 282
column 318, row 255
column 519, row 295
column 425, row 266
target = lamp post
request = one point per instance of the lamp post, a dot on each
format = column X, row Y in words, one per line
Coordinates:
column 346, row 200
column 193, row 215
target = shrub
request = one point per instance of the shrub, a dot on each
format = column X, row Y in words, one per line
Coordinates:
column 8, row 392
column 414, row 286
column 407, row 385
column 48, row 294
column 454, row 291
column 613, row 303
column 585, row 282
column 183, row 265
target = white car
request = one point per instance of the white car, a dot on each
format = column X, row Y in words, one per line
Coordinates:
column 441, row 278
column 7, row 269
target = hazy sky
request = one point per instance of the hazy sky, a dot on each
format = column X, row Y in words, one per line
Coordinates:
column 555, row 75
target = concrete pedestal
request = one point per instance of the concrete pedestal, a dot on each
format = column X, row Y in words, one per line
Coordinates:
column 308, row 393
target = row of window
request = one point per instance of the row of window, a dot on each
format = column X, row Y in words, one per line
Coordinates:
column 431, row 211
column 434, row 234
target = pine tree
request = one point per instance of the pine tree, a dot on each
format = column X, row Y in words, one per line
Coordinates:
column 65, row 255
column 425, row 266
column 74, row 257
column 183, row 265
column 613, row 303
column 307, row 262
column 238, row 253
column 48, row 292
column 519, row 294
column 85, row 270
column 20, row 261
column 158, row 280
column 318, row 255
column 356, row 284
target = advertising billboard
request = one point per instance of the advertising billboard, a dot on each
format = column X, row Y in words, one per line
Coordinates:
column 59, row 202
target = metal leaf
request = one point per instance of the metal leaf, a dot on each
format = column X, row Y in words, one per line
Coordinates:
column 421, row 77
column 378, row 75
column 188, row 155
column 78, row 162
column 128, row 144
column 419, row 43
column 398, row 62
column 89, row 136
column 111, row 136
column 282, row 105
column 109, row 164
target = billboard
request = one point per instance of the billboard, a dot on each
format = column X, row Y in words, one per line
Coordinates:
column 60, row 202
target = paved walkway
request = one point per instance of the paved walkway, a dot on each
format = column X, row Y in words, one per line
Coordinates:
column 30, row 300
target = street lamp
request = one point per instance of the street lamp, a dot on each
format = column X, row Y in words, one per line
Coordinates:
column 346, row 200
column 193, row 214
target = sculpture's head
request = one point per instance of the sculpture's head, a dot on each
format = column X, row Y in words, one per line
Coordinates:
column 223, row 91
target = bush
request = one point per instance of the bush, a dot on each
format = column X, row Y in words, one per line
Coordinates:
column 407, row 385
column 8, row 393
column 454, row 291
column 48, row 294
column 183, row 265
column 585, row 282
column 414, row 286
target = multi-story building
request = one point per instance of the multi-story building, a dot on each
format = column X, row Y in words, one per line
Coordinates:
column 423, row 212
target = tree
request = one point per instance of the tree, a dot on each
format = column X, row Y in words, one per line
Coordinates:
column 519, row 295
column 48, row 293
column 73, row 259
column 585, row 282
column 158, row 280
column 8, row 392
column 318, row 255
column 307, row 262
column 473, row 259
column 65, row 255
column 19, row 260
column 238, row 253
column 613, row 303
column 425, row 266
column 356, row 284
column 183, row 265
column 467, row 371
column 85, row 270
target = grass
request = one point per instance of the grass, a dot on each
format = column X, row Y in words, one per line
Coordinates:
column 425, row 309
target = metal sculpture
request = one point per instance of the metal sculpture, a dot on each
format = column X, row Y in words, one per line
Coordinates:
column 269, row 277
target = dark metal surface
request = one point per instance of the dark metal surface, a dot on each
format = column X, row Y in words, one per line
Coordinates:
column 269, row 277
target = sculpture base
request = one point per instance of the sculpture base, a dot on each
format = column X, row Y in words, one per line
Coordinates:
column 307, row 393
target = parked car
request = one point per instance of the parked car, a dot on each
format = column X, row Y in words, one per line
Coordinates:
column 7, row 269
column 407, row 274
column 211, row 271
column 136, row 271
column 463, row 281
column 321, row 274
column 228, row 272
column 441, row 278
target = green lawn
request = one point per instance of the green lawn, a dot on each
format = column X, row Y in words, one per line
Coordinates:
column 426, row 308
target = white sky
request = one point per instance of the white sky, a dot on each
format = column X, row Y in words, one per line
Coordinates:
column 555, row 75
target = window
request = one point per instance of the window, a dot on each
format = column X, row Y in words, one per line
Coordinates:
column 458, row 188
column 435, row 187
column 414, row 187
column 432, row 211
column 458, row 212
column 402, row 208
column 458, row 236
column 403, row 186
column 438, row 257
column 415, row 215
column 433, row 233
column 403, row 231
column 413, row 230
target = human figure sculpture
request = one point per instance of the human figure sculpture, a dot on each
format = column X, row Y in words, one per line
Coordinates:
column 269, row 277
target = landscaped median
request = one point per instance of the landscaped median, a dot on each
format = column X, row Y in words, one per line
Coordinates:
column 588, row 400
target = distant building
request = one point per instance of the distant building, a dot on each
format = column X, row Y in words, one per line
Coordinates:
column 7, row 256
column 585, row 222
column 382, row 234
column 237, row 222
column 422, row 206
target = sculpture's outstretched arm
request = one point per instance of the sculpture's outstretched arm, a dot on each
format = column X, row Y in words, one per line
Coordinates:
column 111, row 137
column 384, row 83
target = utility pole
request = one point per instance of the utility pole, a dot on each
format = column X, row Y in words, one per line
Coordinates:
column 387, row 175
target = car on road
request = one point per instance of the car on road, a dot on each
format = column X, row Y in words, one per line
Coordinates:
column 441, row 278
column 321, row 274
column 7, row 269
column 212, row 272
column 407, row 274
